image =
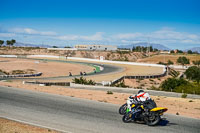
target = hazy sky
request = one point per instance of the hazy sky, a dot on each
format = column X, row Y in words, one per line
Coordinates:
column 173, row 23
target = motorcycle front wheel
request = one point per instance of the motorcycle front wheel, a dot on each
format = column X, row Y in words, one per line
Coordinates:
column 122, row 109
column 127, row 118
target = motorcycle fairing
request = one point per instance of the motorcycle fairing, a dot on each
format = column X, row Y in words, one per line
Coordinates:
column 159, row 108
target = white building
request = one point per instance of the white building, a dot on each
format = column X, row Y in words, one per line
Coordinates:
column 96, row 47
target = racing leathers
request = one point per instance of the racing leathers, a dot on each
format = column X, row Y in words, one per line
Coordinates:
column 135, row 99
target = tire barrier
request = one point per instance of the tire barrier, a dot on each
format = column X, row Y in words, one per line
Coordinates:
column 139, row 77
column 48, row 83
column 21, row 75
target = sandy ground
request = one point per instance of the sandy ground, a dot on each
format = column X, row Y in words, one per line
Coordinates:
column 49, row 69
column 8, row 126
column 145, row 83
column 185, row 107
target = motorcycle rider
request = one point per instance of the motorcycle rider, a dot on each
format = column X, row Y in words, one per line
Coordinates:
column 137, row 99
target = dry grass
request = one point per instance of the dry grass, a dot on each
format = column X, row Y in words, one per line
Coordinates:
column 165, row 58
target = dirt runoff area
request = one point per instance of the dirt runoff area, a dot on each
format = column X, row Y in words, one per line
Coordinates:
column 178, row 106
column 48, row 69
column 8, row 126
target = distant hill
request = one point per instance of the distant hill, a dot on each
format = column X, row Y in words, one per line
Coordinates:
column 19, row 44
column 145, row 44
column 194, row 49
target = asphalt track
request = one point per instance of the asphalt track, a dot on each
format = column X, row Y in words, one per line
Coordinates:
column 69, row 114
column 108, row 69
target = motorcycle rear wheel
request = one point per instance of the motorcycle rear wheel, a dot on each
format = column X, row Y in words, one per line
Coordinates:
column 153, row 119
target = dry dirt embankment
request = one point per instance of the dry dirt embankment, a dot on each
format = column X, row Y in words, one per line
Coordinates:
column 108, row 55
column 165, row 57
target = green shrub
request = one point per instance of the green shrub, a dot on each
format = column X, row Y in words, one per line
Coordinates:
column 193, row 73
column 154, row 88
column 151, row 80
column 189, row 88
column 121, row 84
column 183, row 60
column 161, row 63
column 172, row 83
column 82, row 80
column 109, row 92
column 184, row 95
column 169, row 62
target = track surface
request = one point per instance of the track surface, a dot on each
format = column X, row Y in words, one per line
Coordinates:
column 71, row 114
column 108, row 69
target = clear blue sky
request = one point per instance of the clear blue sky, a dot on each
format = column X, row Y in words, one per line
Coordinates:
column 173, row 23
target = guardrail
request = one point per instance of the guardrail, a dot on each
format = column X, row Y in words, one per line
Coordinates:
column 47, row 83
column 21, row 75
column 138, row 77
column 88, row 59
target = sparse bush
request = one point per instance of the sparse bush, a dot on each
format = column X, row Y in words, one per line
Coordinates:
column 161, row 63
column 142, row 85
column 154, row 88
column 4, row 72
column 184, row 95
column 109, row 92
column 83, row 81
column 169, row 62
column 151, row 80
column 121, row 84
column 18, row 72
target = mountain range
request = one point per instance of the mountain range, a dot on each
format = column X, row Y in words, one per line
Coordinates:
column 194, row 49
column 145, row 44
column 19, row 44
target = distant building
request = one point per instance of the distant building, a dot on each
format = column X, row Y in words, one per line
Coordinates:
column 176, row 51
column 164, row 52
column 96, row 47
column 72, row 49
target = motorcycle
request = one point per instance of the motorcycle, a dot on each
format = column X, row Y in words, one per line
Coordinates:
column 140, row 113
